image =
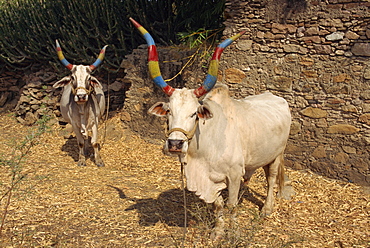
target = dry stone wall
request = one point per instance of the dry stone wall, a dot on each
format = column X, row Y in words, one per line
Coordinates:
column 315, row 54
column 31, row 95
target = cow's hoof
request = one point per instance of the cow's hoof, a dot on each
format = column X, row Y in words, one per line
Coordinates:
column 81, row 163
column 217, row 234
column 265, row 212
column 100, row 164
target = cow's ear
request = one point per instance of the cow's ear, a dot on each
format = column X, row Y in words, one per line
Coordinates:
column 159, row 109
column 204, row 112
column 63, row 82
column 95, row 83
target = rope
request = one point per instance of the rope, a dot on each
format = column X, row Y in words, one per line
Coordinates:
column 106, row 114
column 189, row 135
column 74, row 90
column 184, row 196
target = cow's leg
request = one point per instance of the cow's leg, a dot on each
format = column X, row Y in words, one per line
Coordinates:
column 271, row 171
column 218, row 230
column 233, row 187
column 82, row 147
column 234, row 183
column 94, row 142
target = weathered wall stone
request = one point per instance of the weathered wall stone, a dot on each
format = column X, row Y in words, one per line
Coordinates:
column 361, row 49
column 314, row 112
column 323, row 50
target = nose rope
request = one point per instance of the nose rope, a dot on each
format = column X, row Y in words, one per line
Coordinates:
column 189, row 135
column 74, row 90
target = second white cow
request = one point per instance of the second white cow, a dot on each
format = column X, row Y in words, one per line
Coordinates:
column 82, row 103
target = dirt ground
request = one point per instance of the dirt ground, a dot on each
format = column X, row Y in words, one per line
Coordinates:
column 136, row 200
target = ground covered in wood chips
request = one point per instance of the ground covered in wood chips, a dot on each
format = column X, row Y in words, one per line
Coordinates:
column 136, row 200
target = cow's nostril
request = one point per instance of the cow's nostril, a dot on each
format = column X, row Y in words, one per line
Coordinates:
column 81, row 97
column 175, row 143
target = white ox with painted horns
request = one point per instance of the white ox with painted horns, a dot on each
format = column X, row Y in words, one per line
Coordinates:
column 82, row 103
column 221, row 140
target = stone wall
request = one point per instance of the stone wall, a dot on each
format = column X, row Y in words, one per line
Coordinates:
column 315, row 54
column 31, row 95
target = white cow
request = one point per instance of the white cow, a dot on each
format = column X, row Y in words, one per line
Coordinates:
column 82, row 103
column 221, row 140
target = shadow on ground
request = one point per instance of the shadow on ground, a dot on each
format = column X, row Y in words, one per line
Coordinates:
column 169, row 207
column 72, row 149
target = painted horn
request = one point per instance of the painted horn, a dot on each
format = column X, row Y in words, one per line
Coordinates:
column 153, row 65
column 69, row 65
column 211, row 78
column 61, row 56
column 100, row 58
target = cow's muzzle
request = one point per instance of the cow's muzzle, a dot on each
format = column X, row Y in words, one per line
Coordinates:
column 81, row 98
column 175, row 145
column 81, row 94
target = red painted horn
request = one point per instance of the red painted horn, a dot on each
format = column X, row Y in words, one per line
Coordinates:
column 61, row 56
column 211, row 78
column 153, row 65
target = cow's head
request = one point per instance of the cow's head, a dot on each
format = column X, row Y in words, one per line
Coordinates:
column 183, row 109
column 81, row 81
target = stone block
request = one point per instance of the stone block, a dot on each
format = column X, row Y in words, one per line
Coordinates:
column 340, row 78
column 341, row 158
column 335, row 36
column 361, row 49
column 365, row 118
column 309, row 74
column 323, row 49
column 367, row 72
column 312, row 31
column 314, row 112
column 306, row 61
column 233, row 75
column 352, row 35
column 349, row 108
column 244, row 45
column 349, row 149
column 319, row 152
column 280, row 83
column 291, row 48
column 343, row 129
column 295, row 127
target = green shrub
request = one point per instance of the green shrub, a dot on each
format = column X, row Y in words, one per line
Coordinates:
column 29, row 28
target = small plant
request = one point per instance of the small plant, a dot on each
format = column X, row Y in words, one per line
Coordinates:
column 13, row 164
column 197, row 38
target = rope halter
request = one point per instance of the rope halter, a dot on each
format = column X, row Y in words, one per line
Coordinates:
column 74, row 90
column 188, row 134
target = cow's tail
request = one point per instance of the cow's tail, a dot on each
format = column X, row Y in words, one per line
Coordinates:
column 286, row 190
column 281, row 175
